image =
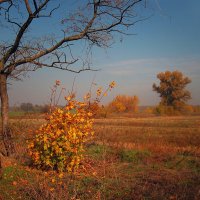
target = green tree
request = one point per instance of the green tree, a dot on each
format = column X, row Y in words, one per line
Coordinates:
column 172, row 89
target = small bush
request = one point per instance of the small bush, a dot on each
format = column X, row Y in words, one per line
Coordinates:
column 58, row 144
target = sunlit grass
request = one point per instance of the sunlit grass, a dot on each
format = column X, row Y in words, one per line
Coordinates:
column 128, row 158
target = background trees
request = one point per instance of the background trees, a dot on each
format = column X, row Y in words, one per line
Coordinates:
column 124, row 103
column 27, row 107
column 172, row 89
column 95, row 22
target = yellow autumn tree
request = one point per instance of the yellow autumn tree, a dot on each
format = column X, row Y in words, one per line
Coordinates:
column 124, row 103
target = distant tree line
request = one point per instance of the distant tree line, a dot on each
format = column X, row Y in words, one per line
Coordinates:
column 30, row 108
column 171, row 89
column 168, row 110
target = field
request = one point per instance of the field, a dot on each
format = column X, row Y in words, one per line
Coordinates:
column 128, row 158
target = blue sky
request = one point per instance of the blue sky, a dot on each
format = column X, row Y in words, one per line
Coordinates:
column 169, row 40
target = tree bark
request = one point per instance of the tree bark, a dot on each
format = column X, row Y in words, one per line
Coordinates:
column 5, row 130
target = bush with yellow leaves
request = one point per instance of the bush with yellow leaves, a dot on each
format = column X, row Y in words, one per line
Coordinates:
column 58, row 144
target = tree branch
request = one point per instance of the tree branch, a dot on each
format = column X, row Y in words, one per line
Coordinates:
column 3, row 1
column 28, row 7
column 52, row 48
column 96, row 27
column 22, row 31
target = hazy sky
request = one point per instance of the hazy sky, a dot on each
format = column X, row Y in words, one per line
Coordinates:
column 169, row 40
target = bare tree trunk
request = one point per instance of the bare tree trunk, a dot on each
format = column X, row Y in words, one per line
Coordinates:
column 6, row 132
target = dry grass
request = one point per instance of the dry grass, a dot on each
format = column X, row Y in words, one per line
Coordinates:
column 129, row 158
column 172, row 134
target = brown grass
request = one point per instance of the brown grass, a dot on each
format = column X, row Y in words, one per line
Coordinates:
column 129, row 158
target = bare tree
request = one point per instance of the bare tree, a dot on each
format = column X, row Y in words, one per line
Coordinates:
column 93, row 21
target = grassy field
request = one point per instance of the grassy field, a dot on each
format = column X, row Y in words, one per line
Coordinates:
column 128, row 158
